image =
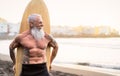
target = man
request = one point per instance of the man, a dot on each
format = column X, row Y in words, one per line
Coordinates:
column 34, row 42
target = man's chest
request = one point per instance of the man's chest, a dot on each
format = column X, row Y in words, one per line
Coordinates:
column 32, row 43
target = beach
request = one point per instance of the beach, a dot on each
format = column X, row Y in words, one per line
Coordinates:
column 86, row 57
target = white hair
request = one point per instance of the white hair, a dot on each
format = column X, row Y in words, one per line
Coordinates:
column 32, row 17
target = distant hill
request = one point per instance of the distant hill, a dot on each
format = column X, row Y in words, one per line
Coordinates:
column 2, row 20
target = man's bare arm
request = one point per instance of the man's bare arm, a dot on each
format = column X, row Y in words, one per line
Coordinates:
column 53, row 44
column 12, row 47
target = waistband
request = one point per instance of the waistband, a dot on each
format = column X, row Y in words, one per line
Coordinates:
column 34, row 66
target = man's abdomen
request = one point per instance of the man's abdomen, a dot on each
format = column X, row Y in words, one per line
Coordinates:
column 34, row 56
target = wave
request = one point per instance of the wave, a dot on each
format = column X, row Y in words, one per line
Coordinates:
column 91, row 65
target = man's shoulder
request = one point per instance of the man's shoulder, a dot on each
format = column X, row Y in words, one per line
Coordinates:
column 48, row 36
column 21, row 35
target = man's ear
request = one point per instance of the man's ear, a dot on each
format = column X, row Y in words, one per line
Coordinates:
column 31, row 24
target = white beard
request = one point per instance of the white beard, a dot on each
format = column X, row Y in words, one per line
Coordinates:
column 37, row 34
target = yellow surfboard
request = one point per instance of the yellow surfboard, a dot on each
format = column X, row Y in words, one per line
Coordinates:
column 39, row 7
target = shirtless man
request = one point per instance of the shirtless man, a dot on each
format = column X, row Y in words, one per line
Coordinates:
column 34, row 42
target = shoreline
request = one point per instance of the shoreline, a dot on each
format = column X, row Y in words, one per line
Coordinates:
column 60, row 69
column 98, row 65
column 85, row 70
column 112, row 67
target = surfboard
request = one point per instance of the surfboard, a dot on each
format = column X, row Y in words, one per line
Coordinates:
column 39, row 7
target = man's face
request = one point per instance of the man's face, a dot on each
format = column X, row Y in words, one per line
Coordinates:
column 38, row 23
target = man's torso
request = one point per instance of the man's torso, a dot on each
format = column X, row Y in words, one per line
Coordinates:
column 34, row 50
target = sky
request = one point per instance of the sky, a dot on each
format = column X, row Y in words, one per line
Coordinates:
column 69, row 12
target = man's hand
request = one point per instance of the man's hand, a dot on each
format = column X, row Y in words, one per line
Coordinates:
column 13, row 68
column 50, row 67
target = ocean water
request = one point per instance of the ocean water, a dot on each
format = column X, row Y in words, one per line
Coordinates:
column 100, row 52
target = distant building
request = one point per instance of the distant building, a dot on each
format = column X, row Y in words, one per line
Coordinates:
column 104, row 30
column 62, row 31
column 13, row 28
column 9, row 28
column 3, row 28
column 87, row 30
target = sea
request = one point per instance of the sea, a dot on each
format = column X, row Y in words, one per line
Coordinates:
column 96, row 52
